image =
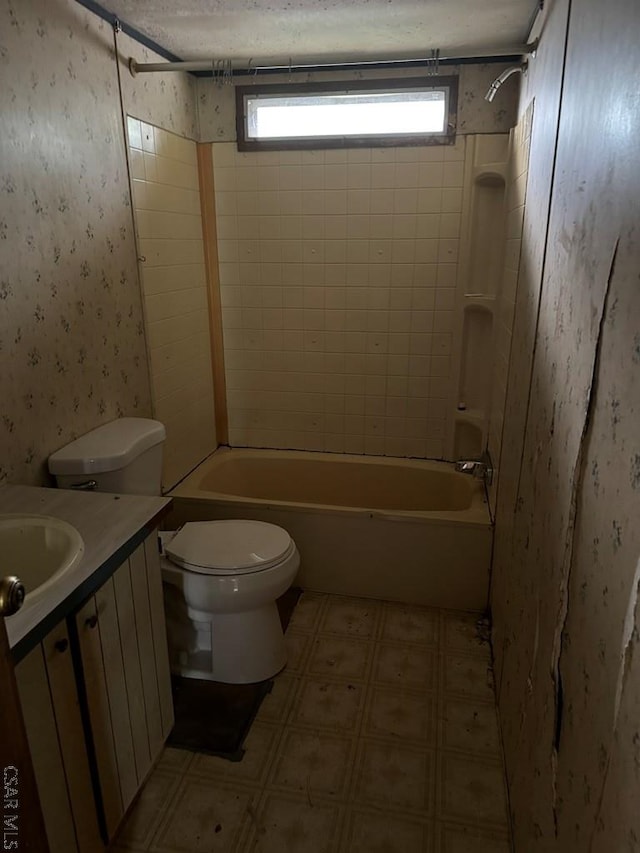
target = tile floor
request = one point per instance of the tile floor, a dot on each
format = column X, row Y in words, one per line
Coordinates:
column 379, row 737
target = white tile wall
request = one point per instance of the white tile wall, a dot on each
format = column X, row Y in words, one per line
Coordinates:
column 338, row 273
column 168, row 222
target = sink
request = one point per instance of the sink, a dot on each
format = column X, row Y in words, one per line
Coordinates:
column 38, row 549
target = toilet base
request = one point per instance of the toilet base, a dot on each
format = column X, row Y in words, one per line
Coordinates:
column 250, row 645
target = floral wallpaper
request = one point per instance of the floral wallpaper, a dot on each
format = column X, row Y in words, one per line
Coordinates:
column 165, row 100
column 217, row 116
column 71, row 335
column 567, row 557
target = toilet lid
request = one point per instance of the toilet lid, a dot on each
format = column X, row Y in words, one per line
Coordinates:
column 230, row 546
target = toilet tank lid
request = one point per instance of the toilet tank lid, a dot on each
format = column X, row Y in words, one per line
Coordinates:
column 231, row 545
column 108, row 447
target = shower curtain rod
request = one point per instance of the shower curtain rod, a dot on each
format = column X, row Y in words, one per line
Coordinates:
column 220, row 66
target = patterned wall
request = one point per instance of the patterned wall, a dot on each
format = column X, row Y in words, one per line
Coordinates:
column 165, row 100
column 567, row 564
column 71, row 334
column 71, row 327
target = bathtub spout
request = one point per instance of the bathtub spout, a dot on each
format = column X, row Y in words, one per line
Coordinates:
column 482, row 468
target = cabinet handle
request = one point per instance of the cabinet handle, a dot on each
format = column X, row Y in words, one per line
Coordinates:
column 61, row 645
column 91, row 621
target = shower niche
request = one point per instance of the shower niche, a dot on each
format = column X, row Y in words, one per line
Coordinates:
column 474, row 383
column 481, row 261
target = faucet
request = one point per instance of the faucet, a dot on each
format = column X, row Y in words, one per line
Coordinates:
column 482, row 467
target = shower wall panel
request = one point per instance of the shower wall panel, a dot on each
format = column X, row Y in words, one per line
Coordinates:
column 338, row 273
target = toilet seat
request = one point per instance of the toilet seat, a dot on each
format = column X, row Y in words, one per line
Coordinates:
column 229, row 547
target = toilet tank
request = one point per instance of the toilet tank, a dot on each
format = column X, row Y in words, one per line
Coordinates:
column 122, row 456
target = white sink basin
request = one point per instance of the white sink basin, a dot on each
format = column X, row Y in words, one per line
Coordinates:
column 38, row 549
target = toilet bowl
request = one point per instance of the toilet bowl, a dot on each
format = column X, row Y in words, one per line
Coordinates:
column 222, row 579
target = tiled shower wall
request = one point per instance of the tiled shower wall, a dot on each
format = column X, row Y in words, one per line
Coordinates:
column 168, row 222
column 338, row 274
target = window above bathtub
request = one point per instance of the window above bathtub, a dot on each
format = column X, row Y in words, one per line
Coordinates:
column 414, row 111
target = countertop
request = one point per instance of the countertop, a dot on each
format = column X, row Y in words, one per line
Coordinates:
column 111, row 526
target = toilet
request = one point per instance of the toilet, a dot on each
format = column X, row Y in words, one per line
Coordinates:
column 221, row 578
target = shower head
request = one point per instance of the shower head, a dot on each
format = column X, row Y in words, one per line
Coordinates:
column 493, row 88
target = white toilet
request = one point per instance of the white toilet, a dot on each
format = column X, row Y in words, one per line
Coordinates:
column 221, row 578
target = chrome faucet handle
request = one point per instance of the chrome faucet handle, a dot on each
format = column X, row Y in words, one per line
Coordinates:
column 481, row 468
column 86, row 486
column 487, row 465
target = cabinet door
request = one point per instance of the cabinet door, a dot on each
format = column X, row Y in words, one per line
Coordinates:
column 66, row 706
column 51, row 708
column 159, row 629
column 129, row 633
column 40, row 723
column 123, row 646
column 144, row 629
column 102, row 734
column 111, row 662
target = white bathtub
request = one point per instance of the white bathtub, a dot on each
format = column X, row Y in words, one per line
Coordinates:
column 397, row 529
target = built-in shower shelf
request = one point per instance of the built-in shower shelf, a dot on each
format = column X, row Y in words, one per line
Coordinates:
column 471, row 416
column 479, row 301
column 479, row 279
column 468, row 438
column 476, row 360
column 490, row 175
column 468, row 432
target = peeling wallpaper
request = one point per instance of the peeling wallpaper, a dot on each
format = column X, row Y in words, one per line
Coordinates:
column 565, row 584
column 217, row 117
column 541, row 87
column 71, row 325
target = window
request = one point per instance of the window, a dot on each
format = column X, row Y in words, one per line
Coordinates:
column 348, row 114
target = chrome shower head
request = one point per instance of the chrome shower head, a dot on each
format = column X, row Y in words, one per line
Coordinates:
column 493, row 88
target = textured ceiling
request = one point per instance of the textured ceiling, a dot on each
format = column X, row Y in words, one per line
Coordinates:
column 324, row 30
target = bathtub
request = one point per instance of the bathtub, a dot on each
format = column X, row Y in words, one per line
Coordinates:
column 395, row 529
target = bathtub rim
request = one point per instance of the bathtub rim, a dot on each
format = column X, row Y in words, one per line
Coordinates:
column 477, row 515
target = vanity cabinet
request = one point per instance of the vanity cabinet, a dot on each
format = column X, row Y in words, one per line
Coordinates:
column 96, row 696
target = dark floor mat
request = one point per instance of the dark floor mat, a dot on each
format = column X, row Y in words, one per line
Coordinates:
column 212, row 717
column 215, row 718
